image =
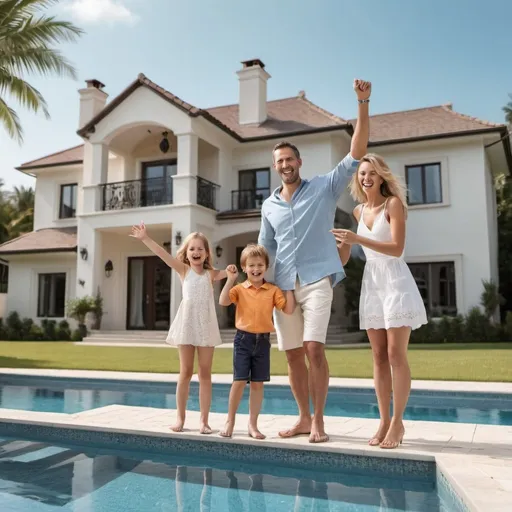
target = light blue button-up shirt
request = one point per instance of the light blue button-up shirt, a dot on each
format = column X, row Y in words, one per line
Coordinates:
column 297, row 234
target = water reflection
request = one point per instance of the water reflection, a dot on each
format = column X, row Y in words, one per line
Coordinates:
column 33, row 474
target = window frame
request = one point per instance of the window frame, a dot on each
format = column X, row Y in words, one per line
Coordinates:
column 424, row 201
column 62, row 187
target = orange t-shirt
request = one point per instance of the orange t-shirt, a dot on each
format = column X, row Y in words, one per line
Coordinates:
column 254, row 306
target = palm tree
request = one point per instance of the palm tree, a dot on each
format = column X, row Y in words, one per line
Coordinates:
column 26, row 47
column 508, row 110
column 22, row 213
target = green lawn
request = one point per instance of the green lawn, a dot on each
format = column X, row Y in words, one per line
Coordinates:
column 476, row 361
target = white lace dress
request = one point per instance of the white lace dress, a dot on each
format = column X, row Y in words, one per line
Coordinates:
column 389, row 294
column 196, row 320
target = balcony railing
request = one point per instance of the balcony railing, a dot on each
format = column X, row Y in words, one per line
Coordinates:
column 248, row 199
column 136, row 193
column 207, row 193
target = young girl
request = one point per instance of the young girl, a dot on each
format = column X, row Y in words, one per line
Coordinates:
column 390, row 304
column 195, row 324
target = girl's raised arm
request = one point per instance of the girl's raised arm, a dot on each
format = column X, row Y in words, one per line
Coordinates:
column 139, row 232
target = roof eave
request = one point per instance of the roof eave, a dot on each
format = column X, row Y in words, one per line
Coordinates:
column 43, row 166
column 449, row 135
column 39, row 251
column 322, row 129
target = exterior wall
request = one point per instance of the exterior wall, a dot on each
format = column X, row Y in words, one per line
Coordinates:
column 23, row 280
column 458, row 229
column 47, row 197
column 3, row 304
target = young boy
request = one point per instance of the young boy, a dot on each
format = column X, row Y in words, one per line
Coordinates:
column 255, row 300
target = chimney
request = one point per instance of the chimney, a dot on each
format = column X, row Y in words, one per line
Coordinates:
column 253, row 92
column 92, row 101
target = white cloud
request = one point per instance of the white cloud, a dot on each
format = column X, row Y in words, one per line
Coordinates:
column 98, row 11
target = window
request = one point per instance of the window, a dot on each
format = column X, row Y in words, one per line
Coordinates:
column 68, row 201
column 51, row 295
column 436, row 282
column 157, row 182
column 424, row 184
column 254, row 188
column 4, row 277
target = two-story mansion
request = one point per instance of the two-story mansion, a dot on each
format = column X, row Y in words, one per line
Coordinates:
column 148, row 155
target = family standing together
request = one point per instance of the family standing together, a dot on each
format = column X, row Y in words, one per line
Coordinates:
column 297, row 238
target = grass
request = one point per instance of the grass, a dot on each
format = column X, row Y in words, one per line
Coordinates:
column 457, row 361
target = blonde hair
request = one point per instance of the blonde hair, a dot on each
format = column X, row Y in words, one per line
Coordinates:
column 254, row 251
column 391, row 187
column 181, row 255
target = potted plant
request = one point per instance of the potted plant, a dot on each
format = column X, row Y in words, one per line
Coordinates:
column 97, row 310
column 78, row 309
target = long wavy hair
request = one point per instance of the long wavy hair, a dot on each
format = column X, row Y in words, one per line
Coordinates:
column 391, row 185
column 181, row 255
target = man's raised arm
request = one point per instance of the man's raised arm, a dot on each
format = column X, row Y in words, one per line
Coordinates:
column 359, row 145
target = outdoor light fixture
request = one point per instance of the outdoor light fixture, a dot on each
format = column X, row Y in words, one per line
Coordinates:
column 83, row 253
column 108, row 268
column 177, row 238
column 164, row 143
column 218, row 251
column 81, row 282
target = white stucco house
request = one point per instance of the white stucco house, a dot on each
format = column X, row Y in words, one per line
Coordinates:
column 149, row 155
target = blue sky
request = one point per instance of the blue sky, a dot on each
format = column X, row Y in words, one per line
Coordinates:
column 416, row 53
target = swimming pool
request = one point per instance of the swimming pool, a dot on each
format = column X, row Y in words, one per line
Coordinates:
column 75, row 395
column 44, row 477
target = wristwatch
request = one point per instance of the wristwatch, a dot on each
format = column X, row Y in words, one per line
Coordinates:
column 364, row 101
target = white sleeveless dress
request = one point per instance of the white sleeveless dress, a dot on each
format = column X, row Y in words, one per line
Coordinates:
column 389, row 294
column 196, row 320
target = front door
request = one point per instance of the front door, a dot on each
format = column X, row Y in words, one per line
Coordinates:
column 149, row 294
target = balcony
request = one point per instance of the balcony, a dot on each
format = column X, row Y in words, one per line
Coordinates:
column 207, row 195
column 246, row 203
column 122, row 195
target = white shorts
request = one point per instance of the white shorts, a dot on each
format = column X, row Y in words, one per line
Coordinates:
column 310, row 320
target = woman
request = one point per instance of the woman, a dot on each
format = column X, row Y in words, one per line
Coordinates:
column 390, row 304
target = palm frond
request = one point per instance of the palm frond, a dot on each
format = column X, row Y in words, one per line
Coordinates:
column 28, row 96
column 11, row 121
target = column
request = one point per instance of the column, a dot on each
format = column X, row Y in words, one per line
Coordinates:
column 226, row 179
column 95, row 173
column 185, row 228
column 90, row 271
column 185, row 181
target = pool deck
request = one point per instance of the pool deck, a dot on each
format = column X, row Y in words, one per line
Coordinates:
column 475, row 459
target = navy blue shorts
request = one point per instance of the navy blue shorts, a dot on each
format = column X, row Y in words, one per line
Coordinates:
column 251, row 357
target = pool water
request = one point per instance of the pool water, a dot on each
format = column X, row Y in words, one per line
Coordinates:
column 58, row 395
column 43, row 478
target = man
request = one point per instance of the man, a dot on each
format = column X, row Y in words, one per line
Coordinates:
column 295, row 224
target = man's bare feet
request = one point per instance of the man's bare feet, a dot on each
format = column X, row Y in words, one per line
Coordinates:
column 394, row 436
column 318, row 434
column 205, row 429
column 301, row 427
column 255, row 433
column 380, row 434
column 178, row 426
column 228, row 429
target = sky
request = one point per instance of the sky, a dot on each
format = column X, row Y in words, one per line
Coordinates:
column 416, row 54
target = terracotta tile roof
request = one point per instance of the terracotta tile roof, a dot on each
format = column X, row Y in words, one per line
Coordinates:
column 69, row 156
column 424, row 123
column 284, row 117
column 292, row 116
column 43, row 240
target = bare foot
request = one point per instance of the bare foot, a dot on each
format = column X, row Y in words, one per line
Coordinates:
column 318, row 434
column 205, row 429
column 178, row 426
column 228, row 429
column 394, row 436
column 301, row 427
column 255, row 433
column 380, row 435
